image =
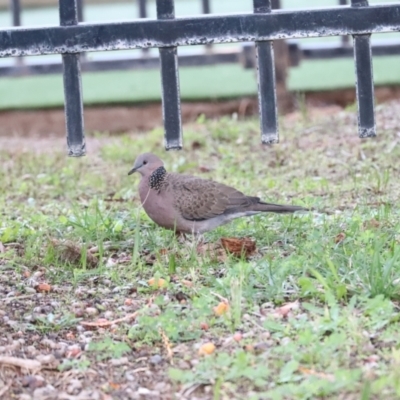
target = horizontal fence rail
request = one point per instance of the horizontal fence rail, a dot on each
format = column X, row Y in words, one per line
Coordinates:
column 167, row 33
column 137, row 34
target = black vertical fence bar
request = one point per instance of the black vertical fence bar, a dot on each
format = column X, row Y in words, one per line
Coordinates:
column 364, row 80
column 206, row 6
column 266, row 82
column 72, row 86
column 206, row 9
column 170, row 84
column 15, row 6
column 345, row 39
column 143, row 14
column 81, row 18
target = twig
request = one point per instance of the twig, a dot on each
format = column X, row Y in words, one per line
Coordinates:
column 25, row 296
column 224, row 299
column 105, row 324
column 21, row 363
column 167, row 345
column 5, row 389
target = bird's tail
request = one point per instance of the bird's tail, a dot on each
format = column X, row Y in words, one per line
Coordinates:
column 277, row 208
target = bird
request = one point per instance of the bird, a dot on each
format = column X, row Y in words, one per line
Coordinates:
column 191, row 205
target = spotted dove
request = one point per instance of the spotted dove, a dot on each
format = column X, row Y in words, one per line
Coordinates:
column 188, row 204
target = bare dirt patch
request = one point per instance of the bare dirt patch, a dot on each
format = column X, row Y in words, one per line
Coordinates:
column 144, row 117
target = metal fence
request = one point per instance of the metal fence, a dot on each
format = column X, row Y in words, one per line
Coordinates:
column 244, row 54
column 166, row 33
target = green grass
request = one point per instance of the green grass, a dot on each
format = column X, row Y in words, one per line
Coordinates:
column 335, row 269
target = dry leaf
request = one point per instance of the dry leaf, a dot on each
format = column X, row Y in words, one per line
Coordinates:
column 70, row 336
column 196, row 145
column 186, row 283
column 323, row 375
column 166, row 344
column 43, row 287
column 206, row 349
column 340, row 237
column 159, row 282
column 373, row 223
column 163, row 252
column 203, row 168
column 221, row 308
column 128, row 302
column 204, row 326
column 285, row 309
column 214, row 251
column 114, row 386
column 239, row 246
column 70, row 252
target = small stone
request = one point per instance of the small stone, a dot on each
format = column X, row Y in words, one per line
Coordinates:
column 48, row 343
column 79, row 313
column 33, row 381
column 130, row 377
column 108, row 315
column 46, row 359
column 25, row 396
column 45, row 393
column 155, row 360
column 32, row 351
column 146, row 392
column 74, row 386
column 116, row 362
column 91, row 311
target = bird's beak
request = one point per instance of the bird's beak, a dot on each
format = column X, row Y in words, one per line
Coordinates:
column 132, row 170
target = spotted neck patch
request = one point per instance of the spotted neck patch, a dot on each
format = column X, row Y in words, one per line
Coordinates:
column 157, row 178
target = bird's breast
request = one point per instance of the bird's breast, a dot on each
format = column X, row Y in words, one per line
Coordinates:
column 158, row 206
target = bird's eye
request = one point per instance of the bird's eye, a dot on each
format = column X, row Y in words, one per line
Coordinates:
column 144, row 162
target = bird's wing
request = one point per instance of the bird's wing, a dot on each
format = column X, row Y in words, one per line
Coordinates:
column 200, row 199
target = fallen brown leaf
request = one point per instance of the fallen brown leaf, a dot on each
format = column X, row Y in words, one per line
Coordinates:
column 285, row 309
column 204, row 326
column 206, row 349
column 43, row 287
column 71, row 252
column 221, row 309
column 167, row 345
column 163, row 252
column 372, row 223
column 214, row 251
column 340, row 237
column 239, row 246
column 159, row 282
column 196, row 145
column 186, row 283
column 323, row 375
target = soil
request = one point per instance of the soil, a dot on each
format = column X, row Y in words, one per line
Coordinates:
column 144, row 117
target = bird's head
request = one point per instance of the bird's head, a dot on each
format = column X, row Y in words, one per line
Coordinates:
column 146, row 164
